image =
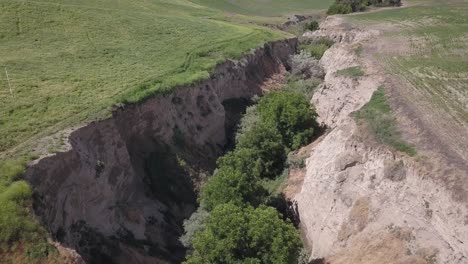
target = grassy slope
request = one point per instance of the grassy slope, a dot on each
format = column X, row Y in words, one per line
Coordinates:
column 68, row 61
column 267, row 7
column 437, row 60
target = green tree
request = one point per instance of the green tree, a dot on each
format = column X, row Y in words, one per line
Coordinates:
column 291, row 114
column 245, row 160
column 231, row 185
column 235, row 234
column 265, row 142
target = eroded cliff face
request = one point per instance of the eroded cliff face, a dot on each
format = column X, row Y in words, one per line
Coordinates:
column 360, row 202
column 122, row 190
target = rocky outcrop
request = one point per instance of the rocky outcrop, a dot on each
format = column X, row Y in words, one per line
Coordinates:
column 361, row 202
column 120, row 192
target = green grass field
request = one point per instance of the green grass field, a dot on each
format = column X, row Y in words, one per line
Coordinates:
column 267, row 7
column 69, row 61
column 436, row 61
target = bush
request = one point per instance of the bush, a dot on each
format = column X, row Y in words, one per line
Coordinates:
column 339, row 8
column 40, row 250
column 235, row 234
column 231, row 185
column 312, row 26
column 305, row 87
column 292, row 116
column 193, row 225
column 315, row 50
column 249, row 120
column 15, row 222
column 305, row 66
column 303, row 257
column 348, row 6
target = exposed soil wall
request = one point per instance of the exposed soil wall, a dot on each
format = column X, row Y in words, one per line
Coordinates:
column 122, row 190
column 360, row 201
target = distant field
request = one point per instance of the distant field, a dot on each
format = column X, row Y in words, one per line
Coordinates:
column 267, row 7
column 436, row 59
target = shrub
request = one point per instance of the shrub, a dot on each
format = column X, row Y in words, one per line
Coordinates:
column 305, row 87
column 15, row 223
column 312, row 26
column 230, row 185
column 339, row 8
column 303, row 257
column 193, row 225
column 235, row 234
column 291, row 114
column 314, row 50
column 40, row 250
column 249, row 120
column 305, row 66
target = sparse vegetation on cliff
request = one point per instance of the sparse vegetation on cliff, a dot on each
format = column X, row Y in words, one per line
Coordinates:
column 16, row 225
column 351, row 72
column 378, row 116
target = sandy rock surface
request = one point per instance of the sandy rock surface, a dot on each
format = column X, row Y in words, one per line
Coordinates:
column 361, row 202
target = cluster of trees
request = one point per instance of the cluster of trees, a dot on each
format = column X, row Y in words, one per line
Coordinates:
column 233, row 224
column 349, row 6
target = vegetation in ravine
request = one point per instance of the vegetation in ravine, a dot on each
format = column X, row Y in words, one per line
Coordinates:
column 312, row 25
column 243, row 234
column 233, row 223
column 316, row 48
column 378, row 117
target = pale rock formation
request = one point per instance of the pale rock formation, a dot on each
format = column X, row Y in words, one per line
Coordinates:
column 361, row 202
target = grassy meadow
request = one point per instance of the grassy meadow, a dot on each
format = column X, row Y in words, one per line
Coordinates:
column 69, row 61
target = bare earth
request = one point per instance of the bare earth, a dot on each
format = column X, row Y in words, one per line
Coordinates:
column 361, row 202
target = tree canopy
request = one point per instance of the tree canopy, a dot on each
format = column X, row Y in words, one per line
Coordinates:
column 235, row 234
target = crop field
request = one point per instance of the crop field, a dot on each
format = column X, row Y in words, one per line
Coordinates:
column 435, row 61
column 69, row 61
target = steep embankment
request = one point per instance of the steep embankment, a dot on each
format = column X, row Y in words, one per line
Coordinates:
column 360, row 201
column 122, row 190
